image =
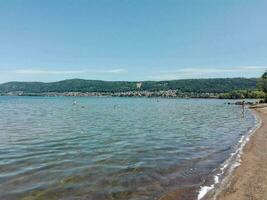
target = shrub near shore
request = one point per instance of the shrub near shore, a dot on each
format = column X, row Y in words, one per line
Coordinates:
column 243, row 94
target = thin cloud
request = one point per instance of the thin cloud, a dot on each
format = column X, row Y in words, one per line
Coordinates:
column 200, row 72
column 46, row 72
column 254, row 67
column 218, row 69
column 112, row 71
column 66, row 72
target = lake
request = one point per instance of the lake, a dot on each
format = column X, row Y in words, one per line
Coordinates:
column 108, row 148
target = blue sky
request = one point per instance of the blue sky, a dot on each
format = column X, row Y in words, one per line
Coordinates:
column 131, row 39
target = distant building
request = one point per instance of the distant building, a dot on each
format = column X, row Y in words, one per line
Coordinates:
column 138, row 85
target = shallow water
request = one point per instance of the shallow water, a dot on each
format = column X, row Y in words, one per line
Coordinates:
column 114, row 148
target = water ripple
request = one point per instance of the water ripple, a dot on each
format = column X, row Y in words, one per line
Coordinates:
column 140, row 149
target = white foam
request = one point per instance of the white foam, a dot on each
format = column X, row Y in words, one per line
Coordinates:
column 225, row 165
column 203, row 191
column 233, row 156
column 216, row 179
column 236, row 164
column 241, row 139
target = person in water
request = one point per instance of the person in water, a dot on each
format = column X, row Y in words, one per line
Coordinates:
column 243, row 108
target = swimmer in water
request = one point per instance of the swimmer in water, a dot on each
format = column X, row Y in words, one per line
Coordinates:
column 243, row 109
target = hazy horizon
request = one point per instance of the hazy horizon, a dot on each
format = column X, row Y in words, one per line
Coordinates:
column 124, row 80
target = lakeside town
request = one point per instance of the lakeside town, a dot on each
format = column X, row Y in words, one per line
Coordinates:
column 234, row 88
column 167, row 94
column 242, row 94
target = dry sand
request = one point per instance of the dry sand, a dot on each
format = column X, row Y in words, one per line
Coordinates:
column 249, row 180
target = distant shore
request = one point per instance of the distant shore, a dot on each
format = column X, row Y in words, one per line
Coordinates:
column 249, row 180
column 147, row 94
column 161, row 93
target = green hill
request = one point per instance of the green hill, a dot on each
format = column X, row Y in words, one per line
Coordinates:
column 217, row 85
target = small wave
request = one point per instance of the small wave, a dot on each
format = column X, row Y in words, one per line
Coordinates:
column 232, row 162
column 204, row 190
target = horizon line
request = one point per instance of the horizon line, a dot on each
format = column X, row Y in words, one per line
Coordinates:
column 35, row 81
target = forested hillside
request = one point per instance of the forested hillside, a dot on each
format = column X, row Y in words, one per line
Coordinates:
column 220, row 85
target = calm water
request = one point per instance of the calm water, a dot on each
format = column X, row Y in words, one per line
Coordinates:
column 113, row 148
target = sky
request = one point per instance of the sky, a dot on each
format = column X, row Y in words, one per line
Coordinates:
column 132, row 40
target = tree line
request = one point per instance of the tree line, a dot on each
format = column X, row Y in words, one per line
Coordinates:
column 220, row 85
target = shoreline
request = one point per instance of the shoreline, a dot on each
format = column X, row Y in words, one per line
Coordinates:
column 222, row 175
column 248, row 180
column 224, row 172
column 238, row 101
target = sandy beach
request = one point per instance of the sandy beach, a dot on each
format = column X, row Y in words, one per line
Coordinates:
column 249, row 180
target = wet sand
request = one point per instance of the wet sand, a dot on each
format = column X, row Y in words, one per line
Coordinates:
column 249, row 180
